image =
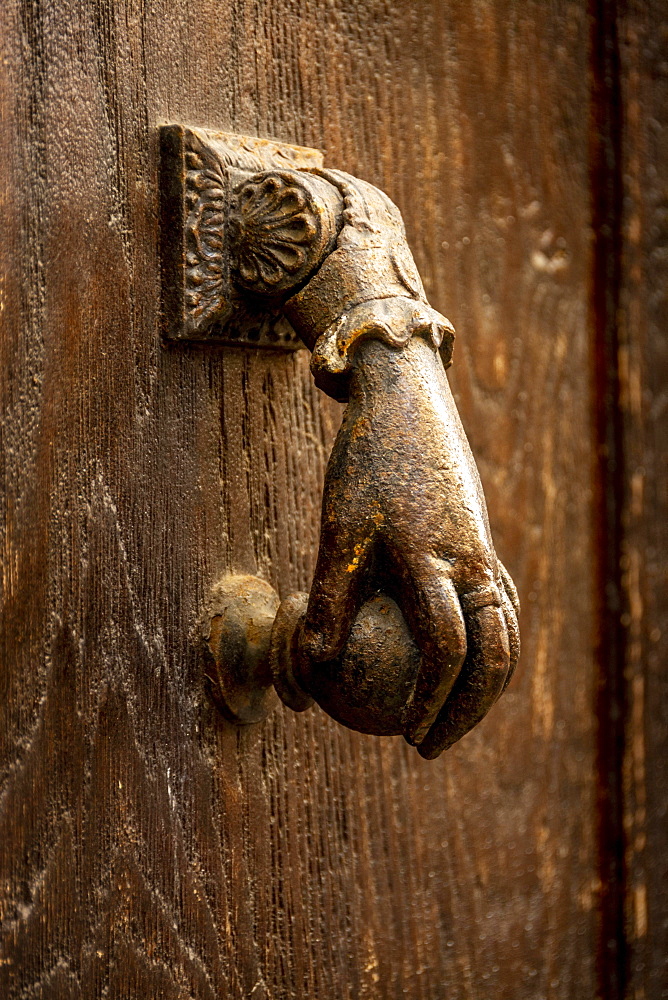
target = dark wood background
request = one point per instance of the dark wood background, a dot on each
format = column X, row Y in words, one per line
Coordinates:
column 147, row 848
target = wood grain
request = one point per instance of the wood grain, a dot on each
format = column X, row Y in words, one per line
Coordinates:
column 147, row 848
column 643, row 399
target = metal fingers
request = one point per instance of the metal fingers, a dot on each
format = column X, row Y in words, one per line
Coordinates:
column 468, row 643
column 480, row 682
column 470, row 646
column 435, row 618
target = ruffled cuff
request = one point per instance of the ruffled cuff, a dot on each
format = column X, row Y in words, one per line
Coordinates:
column 392, row 320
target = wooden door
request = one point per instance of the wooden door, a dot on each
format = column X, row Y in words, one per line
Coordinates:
column 148, row 849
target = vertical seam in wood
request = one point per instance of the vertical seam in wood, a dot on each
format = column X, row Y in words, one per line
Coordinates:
column 606, row 185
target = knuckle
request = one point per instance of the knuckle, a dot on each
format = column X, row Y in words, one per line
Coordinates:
column 485, row 595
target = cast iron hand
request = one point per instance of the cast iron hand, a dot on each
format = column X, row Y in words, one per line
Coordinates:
column 403, row 510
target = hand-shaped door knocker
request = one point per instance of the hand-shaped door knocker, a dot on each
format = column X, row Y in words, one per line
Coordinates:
column 410, row 626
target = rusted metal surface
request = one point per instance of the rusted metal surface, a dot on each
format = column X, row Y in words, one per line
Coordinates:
column 411, row 621
column 242, row 612
column 199, row 169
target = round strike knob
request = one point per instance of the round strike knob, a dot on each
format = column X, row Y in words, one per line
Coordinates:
column 254, row 642
column 237, row 632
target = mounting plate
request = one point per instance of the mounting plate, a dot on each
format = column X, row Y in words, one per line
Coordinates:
column 198, row 171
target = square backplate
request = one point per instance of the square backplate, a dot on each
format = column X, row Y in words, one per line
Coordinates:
column 198, row 170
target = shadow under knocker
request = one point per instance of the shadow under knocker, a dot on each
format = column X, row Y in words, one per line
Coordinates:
column 410, row 626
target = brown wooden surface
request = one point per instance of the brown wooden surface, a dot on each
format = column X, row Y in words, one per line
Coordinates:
column 643, row 347
column 148, row 849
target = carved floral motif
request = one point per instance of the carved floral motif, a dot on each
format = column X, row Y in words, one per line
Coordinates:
column 206, row 271
column 271, row 228
column 275, row 231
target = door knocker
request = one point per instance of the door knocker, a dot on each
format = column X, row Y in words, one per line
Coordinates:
column 410, row 626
